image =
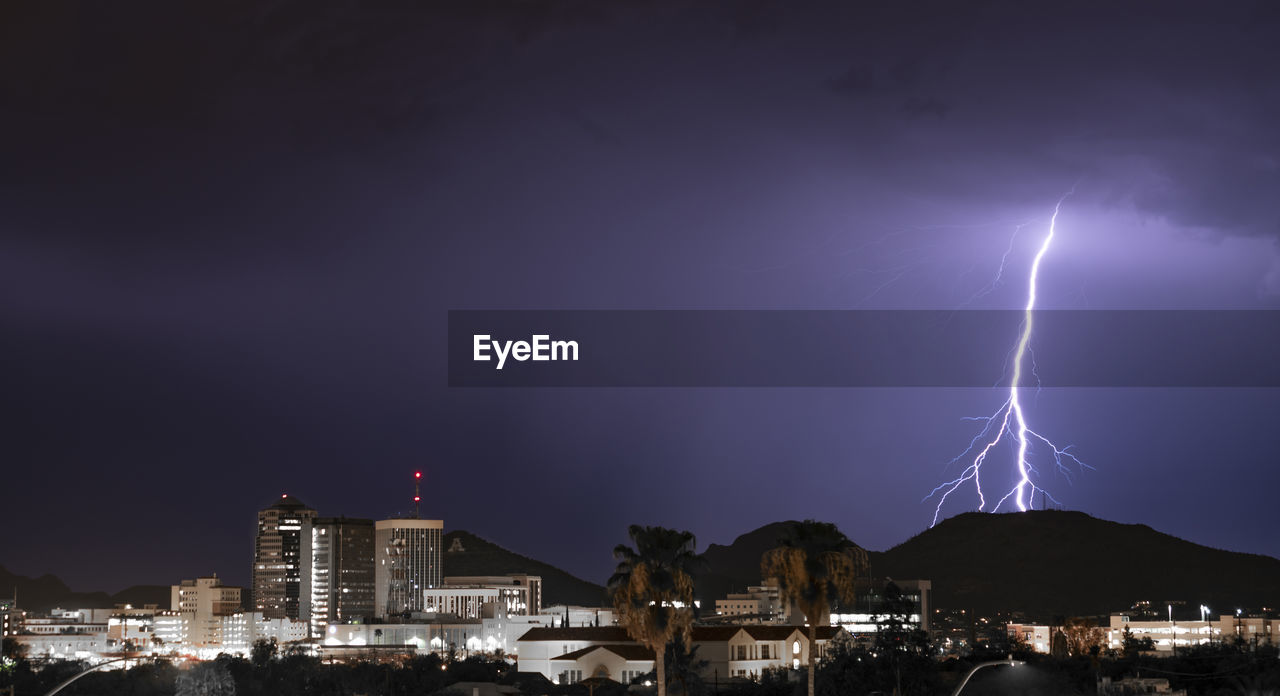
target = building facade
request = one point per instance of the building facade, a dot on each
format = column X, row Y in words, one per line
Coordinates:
column 201, row 606
column 342, row 571
column 880, row 600
column 1037, row 637
column 531, row 593
column 1166, row 636
column 762, row 604
column 567, row 655
column 282, row 560
column 407, row 556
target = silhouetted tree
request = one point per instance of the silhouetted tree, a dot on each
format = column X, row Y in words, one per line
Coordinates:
column 816, row 565
column 263, row 651
column 652, row 589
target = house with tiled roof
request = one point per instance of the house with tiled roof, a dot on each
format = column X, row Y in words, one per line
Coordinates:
column 568, row 655
column 622, row 663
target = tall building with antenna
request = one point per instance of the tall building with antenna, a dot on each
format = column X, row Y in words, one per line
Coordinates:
column 407, row 559
column 282, row 560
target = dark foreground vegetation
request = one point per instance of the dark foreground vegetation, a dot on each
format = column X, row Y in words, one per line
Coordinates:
column 1207, row 671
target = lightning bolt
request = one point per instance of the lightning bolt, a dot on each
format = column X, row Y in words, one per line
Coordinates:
column 1009, row 422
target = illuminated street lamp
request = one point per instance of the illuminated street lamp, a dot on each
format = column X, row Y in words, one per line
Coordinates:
column 994, row 663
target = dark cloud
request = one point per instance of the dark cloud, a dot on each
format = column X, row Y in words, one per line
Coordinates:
column 231, row 232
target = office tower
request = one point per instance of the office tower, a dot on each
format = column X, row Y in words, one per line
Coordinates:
column 282, row 561
column 342, row 574
column 407, row 561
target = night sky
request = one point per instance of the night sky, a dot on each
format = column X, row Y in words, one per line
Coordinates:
column 230, row 233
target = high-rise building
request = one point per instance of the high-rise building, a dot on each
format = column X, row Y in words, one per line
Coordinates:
column 282, row 561
column 342, row 574
column 407, row 562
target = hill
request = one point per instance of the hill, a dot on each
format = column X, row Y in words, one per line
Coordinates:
column 482, row 557
column 478, row 557
column 1045, row 563
column 48, row 591
column 1052, row 562
column 734, row 567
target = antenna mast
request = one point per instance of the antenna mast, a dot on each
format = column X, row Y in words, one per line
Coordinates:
column 417, row 495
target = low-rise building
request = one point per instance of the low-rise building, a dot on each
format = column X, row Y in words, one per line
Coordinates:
column 747, row 651
column 528, row 589
column 1037, row 637
column 760, row 603
column 880, row 599
column 204, row 603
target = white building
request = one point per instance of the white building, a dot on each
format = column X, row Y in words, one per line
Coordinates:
column 747, row 651
column 1039, row 638
column 1170, row 634
column 475, row 601
column 530, row 586
column 622, row 663
column 203, row 603
column 64, row 634
column 564, row 616
column 762, row 603
column 66, row 646
column 206, row 620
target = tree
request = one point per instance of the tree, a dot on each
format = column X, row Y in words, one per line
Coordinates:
column 685, row 667
column 12, row 649
column 652, row 589
column 263, row 651
column 1132, row 647
column 206, row 679
column 1082, row 637
column 816, row 565
column 896, row 639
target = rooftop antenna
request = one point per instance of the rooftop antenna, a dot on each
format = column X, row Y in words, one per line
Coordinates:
column 417, row 495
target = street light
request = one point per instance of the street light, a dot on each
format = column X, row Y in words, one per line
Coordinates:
column 994, row 663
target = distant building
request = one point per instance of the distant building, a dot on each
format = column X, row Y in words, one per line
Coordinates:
column 282, row 561
column 1167, row 635
column 565, row 616
column 342, row 571
column 468, row 597
column 1038, row 637
column 877, row 600
column 761, row 603
column 568, row 655
column 201, row 605
column 65, row 634
column 134, row 626
column 10, row 617
column 407, row 562
column 533, row 602
column 1137, row 685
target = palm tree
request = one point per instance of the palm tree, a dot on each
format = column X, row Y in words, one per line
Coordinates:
column 816, row 565
column 652, row 589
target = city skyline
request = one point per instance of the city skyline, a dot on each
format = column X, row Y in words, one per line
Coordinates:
column 230, row 251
